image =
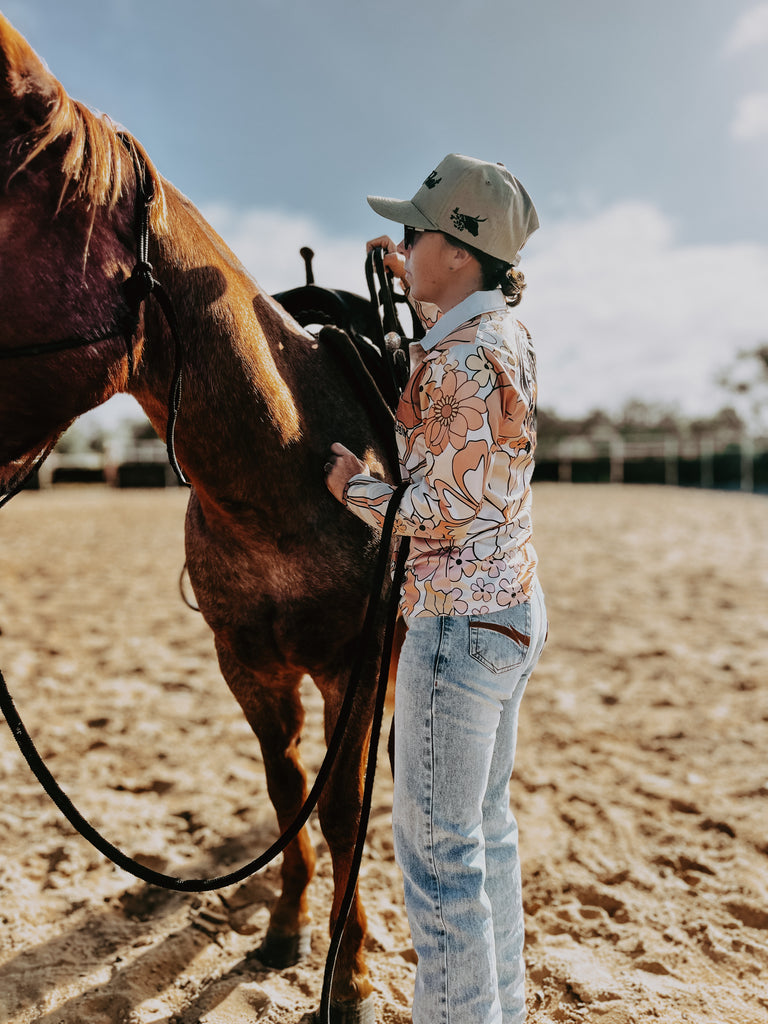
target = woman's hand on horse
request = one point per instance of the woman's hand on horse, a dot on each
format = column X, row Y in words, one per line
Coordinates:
column 341, row 465
column 393, row 260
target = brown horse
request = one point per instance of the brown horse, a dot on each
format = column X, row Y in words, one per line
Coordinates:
column 279, row 569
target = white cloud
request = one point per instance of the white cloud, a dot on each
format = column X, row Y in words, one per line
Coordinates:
column 267, row 243
column 751, row 118
column 618, row 308
column 750, row 30
column 621, row 310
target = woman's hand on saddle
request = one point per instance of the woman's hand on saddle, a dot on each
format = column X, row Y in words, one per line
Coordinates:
column 341, row 465
column 393, row 260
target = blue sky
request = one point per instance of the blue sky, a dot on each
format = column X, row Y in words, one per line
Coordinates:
column 640, row 130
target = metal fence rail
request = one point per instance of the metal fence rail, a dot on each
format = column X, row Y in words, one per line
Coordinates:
column 723, row 462
column 714, row 461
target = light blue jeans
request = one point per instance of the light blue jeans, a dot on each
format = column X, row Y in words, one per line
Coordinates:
column 460, row 681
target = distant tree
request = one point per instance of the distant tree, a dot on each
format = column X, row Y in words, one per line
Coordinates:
column 97, row 442
column 69, row 442
column 727, row 420
column 639, row 417
column 747, row 379
column 597, row 421
column 143, row 431
column 552, row 428
column 77, row 439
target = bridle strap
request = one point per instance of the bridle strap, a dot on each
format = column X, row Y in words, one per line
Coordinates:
column 45, row 348
column 140, row 285
column 134, row 292
column 174, row 395
column 141, row 282
column 137, row 288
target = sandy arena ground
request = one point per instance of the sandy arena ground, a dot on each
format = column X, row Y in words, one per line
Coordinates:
column 641, row 788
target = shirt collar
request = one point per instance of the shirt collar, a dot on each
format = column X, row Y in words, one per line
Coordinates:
column 472, row 306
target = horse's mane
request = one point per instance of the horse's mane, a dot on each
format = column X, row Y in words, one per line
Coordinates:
column 97, row 159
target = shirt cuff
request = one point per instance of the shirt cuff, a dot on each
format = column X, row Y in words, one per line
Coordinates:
column 360, row 478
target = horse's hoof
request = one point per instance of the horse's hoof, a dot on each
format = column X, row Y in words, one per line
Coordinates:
column 281, row 949
column 363, row 1012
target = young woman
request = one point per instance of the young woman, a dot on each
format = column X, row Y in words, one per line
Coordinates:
column 466, row 431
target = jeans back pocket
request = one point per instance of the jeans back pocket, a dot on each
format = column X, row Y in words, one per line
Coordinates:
column 498, row 646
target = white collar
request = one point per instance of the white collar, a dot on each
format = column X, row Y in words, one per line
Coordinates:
column 467, row 309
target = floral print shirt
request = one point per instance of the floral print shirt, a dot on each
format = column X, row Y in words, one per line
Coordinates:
column 466, row 433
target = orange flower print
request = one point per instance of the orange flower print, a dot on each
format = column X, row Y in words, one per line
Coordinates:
column 459, row 562
column 483, row 370
column 425, row 566
column 410, row 595
column 482, row 590
column 465, row 435
column 491, row 566
column 453, row 568
column 412, row 400
column 460, row 497
column 427, row 312
column 377, row 506
column 510, row 592
column 420, row 516
column 454, row 412
column 439, row 603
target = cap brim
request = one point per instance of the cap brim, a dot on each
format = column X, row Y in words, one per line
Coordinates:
column 402, row 211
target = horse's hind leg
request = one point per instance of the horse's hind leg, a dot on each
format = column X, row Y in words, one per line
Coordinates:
column 272, row 705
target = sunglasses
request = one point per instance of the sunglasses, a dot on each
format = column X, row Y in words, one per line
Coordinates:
column 409, row 235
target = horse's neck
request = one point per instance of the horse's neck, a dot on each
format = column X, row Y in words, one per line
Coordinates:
column 236, row 401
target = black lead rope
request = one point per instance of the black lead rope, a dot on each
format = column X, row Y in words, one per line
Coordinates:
column 138, row 287
column 370, row 771
column 146, row 874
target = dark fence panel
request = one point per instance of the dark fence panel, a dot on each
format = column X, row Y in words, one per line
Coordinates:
column 592, row 471
column 546, row 469
column 77, row 475
column 645, row 471
column 727, row 471
column 730, row 469
column 142, row 474
column 761, row 472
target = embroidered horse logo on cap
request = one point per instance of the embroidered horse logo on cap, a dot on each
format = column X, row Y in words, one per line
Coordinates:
column 463, row 222
column 433, row 180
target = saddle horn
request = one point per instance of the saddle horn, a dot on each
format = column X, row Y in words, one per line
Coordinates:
column 307, row 255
